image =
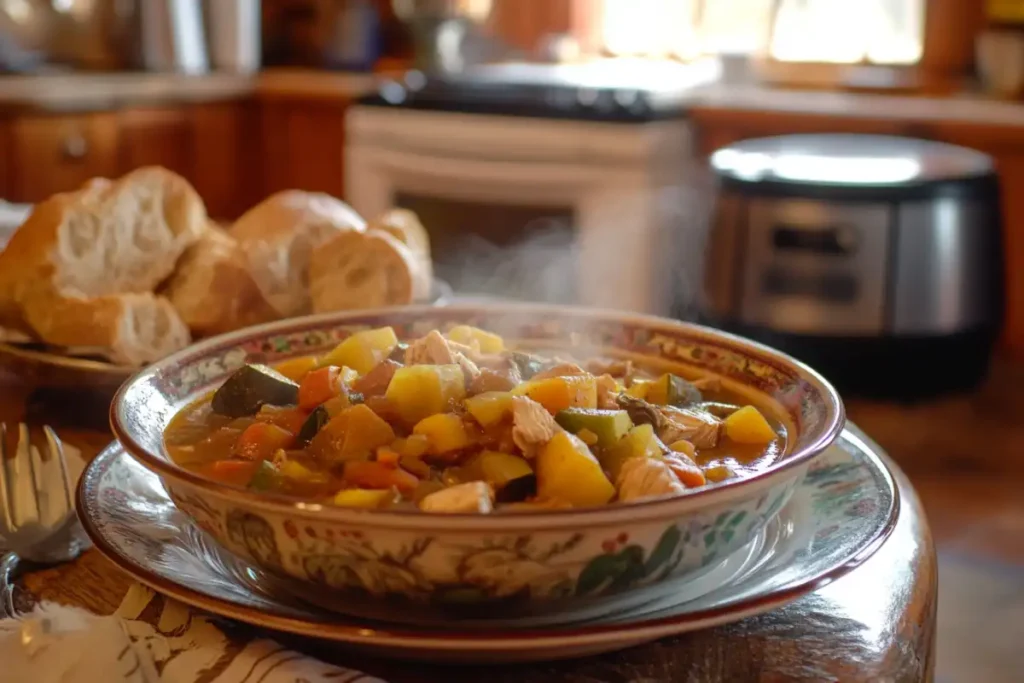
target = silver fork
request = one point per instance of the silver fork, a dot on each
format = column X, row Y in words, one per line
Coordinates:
column 37, row 513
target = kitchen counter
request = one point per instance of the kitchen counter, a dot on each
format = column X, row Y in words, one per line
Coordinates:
column 99, row 92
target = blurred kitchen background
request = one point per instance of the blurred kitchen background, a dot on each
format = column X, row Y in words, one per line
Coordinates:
column 562, row 150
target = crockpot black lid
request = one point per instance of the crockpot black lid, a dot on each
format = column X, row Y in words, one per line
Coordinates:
column 847, row 166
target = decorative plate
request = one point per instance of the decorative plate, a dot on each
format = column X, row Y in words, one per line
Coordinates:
column 837, row 518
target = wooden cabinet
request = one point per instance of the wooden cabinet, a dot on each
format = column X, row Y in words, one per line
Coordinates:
column 156, row 137
column 50, row 154
column 226, row 157
column 303, row 145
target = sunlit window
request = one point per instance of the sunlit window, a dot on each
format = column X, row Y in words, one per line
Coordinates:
column 836, row 31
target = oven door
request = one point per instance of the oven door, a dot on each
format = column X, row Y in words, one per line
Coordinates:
column 540, row 230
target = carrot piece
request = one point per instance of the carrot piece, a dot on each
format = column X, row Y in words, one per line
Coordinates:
column 286, row 418
column 237, row 472
column 387, row 456
column 261, row 440
column 319, row 386
column 686, row 470
column 376, row 475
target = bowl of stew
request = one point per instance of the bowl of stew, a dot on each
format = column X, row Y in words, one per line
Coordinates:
column 489, row 458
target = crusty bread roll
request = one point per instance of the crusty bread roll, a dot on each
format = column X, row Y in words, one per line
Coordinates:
column 364, row 270
column 405, row 226
column 279, row 234
column 64, row 273
column 213, row 290
column 136, row 328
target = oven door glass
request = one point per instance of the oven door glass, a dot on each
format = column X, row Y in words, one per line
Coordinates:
column 501, row 250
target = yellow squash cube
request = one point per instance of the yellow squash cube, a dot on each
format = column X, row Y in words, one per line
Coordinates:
column 362, row 498
column 558, row 393
column 363, row 350
column 487, row 341
column 567, row 470
column 445, row 432
column 747, row 425
column 297, row 368
column 490, row 407
column 419, row 391
column 354, row 433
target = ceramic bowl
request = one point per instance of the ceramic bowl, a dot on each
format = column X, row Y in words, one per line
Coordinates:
column 501, row 564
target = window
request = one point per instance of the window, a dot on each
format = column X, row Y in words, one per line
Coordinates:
column 830, row 31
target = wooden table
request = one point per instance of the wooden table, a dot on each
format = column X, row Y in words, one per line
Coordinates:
column 877, row 623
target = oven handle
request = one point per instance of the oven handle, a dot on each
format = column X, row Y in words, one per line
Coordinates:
column 449, row 169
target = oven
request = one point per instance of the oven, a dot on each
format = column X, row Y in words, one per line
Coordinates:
column 564, row 211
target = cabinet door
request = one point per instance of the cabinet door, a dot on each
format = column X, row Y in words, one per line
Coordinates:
column 51, row 154
column 5, row 159
column 156, row 137
column 227, row 157
column 304, row 146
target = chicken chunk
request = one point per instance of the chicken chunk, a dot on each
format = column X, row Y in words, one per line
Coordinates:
column 435, row 349
column 562, row 369
column 647, row 478
column 532, row 425
column 472, row 497
column 672, row 424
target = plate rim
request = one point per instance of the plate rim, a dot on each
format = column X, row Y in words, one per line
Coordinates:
column 353, row 630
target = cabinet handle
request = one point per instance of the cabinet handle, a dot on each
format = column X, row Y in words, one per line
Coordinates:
column 75, row 146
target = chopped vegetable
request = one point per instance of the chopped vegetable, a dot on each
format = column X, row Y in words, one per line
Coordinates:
column 498, row 469
column 719, row 473
column 320, row 386
column 414, row 446
column 250, row 388
column 639, row 388
column 685, row 469
column 237, row 472
column 558, row 393
column 414, row 465
column 647, row 478
column 363, row 350
column 747, row 425
column 260, row 440
column 376, row 381
column 362, row 498
column 588, row 437
column 567, row 470
column 445, row 432
column 387, row 456
column 608, row 426
column 290, row 419
column 313, row 424
column 375, row 475
column 473, row 496
column 683, row 446
column 486, row 341
column 489, row 408
column 266, row 477
column 672, row 390
column 290, row 469
column 639, row 442
column 354, row 433
column 296, row 368
column 527, row 364
column 419, row 391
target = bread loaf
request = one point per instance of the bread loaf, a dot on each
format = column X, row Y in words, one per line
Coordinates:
column 405, row 226
column 136, row 328
column 79, row 253
column 364, row 270
column 213, row 289
column 278, row 236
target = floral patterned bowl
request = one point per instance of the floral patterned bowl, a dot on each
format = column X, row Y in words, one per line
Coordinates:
column 508, row 564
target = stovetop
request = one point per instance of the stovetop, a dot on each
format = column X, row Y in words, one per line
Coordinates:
column 628, row 93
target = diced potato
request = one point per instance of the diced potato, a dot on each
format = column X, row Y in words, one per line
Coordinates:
column 717, row 473
column 640, row 442
column 489, row 408
column 586, row 436
column 558, row 393
column 498, row 469
column 297, row 471
column 419, row 391
column 608, row 426
column 567, row 470
column 639, row 389
column 354, row 433
column 414, row 446
column 445, row 432
column 363, row 350
column 296, row 368
column 335, row 405
column 362, row 498
column 747, row 425
column 471, row 497
column 684, row 446
column 671, row 390
column 487, row 341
